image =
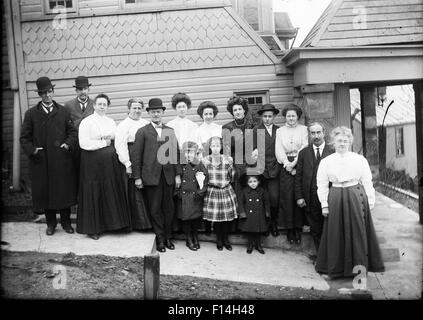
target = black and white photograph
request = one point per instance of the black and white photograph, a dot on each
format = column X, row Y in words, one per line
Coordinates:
column 212, row 154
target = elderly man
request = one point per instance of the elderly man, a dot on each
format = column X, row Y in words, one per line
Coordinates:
column 48, row 137
column 155, row 168
column 305, row 179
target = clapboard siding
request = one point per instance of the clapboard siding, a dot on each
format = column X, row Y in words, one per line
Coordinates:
column 199, row 85
column 363, row 22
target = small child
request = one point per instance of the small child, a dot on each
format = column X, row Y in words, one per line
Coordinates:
column 254, row 207
column 220, row 202
column 189, row 207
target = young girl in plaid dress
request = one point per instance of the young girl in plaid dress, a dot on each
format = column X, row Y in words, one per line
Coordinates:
column 220, row 203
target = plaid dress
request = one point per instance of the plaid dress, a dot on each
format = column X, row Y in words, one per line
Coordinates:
column 220, row 202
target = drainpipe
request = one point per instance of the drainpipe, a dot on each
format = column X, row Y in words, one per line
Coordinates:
column 16, row 171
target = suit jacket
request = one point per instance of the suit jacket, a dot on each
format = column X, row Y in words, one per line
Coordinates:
column 146, row 151
column 305, row 180
column 272, row 166
column 76, row 113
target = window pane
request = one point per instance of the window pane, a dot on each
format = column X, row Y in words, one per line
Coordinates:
column 251, row 13
column 250, row 100
column 129, row 1
column 52, row 4
column 259, row 100
column 61, row 3
column 69, row 4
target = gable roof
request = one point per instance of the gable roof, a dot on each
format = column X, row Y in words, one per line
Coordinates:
column 142, row 43
column 402, row 110
column 367, row 22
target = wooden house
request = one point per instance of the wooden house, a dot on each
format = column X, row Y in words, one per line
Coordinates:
column 210, row 50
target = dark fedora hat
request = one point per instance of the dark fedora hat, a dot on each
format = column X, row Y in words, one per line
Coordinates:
column 155, row 103
column 43, row 84
column 81, row 82
column 268, row 107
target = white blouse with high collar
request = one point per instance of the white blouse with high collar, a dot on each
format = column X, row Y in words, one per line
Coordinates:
column 94, row 129
column 206, row 131
column 125, row 133
column 290, row 140
column 340, row 168
column 185, row 130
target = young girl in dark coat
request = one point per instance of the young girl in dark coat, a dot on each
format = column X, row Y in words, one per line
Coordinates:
column 254, row 207
column 190, row 194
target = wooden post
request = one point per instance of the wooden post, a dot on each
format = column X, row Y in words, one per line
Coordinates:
column 418, row 94
column 151, row 276
column 368, row 100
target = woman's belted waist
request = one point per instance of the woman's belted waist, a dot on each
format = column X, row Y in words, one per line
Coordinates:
column 292, row 154
column 344, row 184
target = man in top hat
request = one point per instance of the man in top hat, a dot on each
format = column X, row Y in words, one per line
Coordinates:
column 305, row 179
column 266, row 154
column 155, row 168
column 79, row 108
column 48, row 137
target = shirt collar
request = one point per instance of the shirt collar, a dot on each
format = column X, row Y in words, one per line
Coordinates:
column 47, row 106
column 83, row 102
column 321, row 147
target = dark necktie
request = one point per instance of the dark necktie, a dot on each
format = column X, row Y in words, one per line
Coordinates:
column 83, row 106
column 318, row 157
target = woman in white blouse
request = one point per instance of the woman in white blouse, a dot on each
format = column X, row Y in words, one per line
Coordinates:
column 102, row 200
column 208, row 111
column 349, row 238
column 290, row 139
column 185, row 129
column 124, row 141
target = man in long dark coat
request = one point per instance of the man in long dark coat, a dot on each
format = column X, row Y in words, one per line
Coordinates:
column 155, row 168
column 48, row 137
column 305, row 179
column 79, row 108
column 272, row 167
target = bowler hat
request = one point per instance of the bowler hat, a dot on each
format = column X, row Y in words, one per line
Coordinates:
column 155, row 103
column 268, row 107
column 81, row 82
column 43, row 84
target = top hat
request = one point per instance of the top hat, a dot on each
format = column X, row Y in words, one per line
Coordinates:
column 155, row 103
column 268, row 107
column 43, row 84
column 81, row 82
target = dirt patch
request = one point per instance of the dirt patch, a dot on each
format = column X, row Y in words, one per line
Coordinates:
column 31, row 275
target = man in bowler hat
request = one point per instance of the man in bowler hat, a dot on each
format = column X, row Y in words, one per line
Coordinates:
column 267, row 128
column 79, row 108
column 48, row 137
column 155, row 168
column 305, row 179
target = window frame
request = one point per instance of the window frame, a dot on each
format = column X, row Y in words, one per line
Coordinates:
column 49, row 11
column 264, row 94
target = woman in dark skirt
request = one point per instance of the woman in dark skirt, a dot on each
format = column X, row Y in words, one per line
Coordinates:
column 290, row 139
column 234, row 136
column 124, row 142
column 103, row 201
column 349, row 238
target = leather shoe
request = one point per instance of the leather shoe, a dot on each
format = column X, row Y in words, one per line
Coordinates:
column 228, row 246
column 297, row 237
column 169, row 245
column 191, row 245
column 94, row 236
column 68, row 229
column 290, row 236
column 50, row 231
column 275, row 233
column 161, row 247
column 250, row 248
column 260, row 249
column 196, row 243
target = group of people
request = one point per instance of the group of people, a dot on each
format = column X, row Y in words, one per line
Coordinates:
column 253, row 177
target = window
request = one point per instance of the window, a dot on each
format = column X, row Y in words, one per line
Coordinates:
column 255, row 101
column 53, row 7
column 251, row 13
column 399, row 141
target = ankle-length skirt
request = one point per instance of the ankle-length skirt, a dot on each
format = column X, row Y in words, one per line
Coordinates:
column 349, row 237
column 102, row 200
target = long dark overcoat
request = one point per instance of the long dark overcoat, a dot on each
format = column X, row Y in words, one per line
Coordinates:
column 52, row 169
column 254, row 206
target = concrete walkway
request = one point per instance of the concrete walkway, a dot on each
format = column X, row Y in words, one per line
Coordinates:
column 397, row 227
